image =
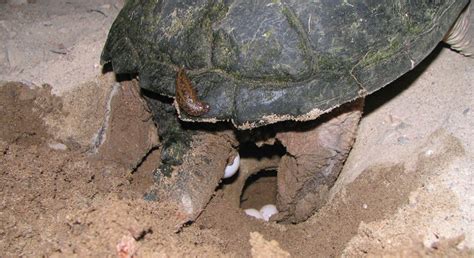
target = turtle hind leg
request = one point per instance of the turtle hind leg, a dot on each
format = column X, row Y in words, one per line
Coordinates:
column 193, row 160
column 175, row 140
column 461, row 35
column 316, row 152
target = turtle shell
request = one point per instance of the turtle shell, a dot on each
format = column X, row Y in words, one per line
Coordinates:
column 259, row 62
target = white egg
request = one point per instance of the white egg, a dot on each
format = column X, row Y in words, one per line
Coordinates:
column 267, row 211
column 253, row 213
column 232, row 168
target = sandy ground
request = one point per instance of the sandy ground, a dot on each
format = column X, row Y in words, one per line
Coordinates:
column 72, row 142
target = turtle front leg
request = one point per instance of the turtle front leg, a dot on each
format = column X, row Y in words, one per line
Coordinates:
column 316, row 152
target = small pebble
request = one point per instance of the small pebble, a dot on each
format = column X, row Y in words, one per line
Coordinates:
column 403, row 140
column 428, row 153
column 57, row 146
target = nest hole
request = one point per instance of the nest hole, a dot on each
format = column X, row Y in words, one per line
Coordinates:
column 260, row 185
column 259, row 189
column 255, row 184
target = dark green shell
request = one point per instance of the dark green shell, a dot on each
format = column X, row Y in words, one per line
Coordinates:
column 258, row 62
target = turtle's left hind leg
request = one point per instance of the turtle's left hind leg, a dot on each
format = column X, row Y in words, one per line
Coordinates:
column 193, row 160
column 175, row 140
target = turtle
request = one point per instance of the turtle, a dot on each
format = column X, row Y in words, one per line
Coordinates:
column 287, row 71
